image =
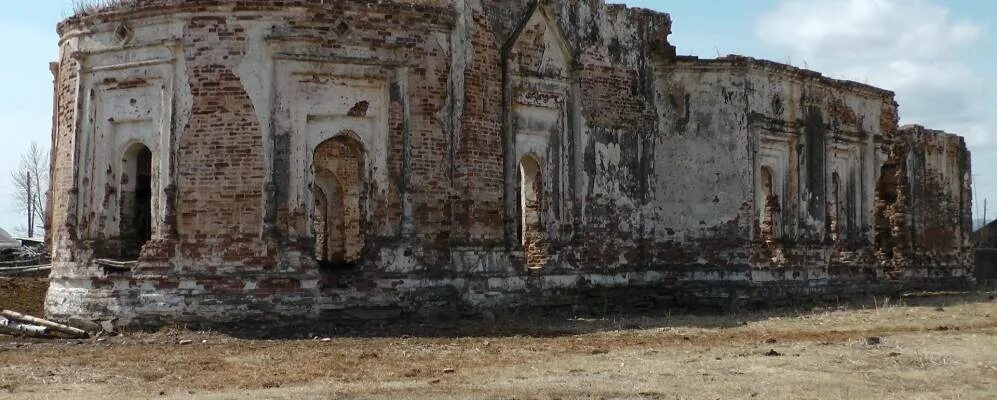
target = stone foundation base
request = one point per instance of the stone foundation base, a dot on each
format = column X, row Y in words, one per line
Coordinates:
column 345, row 298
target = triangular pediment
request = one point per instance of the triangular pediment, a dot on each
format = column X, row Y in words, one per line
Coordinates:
column 539, row 47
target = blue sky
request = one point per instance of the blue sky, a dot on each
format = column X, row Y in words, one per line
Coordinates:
column 937, row 55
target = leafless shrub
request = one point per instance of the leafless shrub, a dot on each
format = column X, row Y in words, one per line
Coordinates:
column 87, row 7
column 84, row 7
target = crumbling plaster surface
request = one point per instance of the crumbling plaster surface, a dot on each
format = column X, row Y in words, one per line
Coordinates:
column 703, row 165
column 650, row 164
column 939, row 212
column 808, row 130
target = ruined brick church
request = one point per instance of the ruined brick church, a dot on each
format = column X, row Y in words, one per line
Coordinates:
column 223, row 161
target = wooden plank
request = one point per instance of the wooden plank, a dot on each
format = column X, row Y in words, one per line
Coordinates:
column 114, row 264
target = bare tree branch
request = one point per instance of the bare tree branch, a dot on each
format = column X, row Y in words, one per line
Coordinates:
column 34, row 162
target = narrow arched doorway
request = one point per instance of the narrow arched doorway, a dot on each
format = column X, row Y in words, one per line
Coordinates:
column 328, row 219
column 320, row 224
column 531, row 203
column 769, row 209
column 889, row 217
column 135, row 206
column 834, row 209
column 337, row 207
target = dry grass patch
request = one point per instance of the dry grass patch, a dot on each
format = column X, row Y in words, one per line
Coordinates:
column 944, row 349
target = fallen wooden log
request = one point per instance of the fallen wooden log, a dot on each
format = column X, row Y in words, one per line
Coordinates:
column 15, row 328
column 55, row 326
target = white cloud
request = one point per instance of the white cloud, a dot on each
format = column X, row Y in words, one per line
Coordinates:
column 911, row 47
column 866, row 29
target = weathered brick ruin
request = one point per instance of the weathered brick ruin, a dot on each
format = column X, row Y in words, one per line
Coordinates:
column 219, row 161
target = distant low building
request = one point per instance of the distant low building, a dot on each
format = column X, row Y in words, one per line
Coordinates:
column 986, row 252
column 986, row 237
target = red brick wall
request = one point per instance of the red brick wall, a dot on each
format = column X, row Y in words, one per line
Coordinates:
column 61, row 181
column 479, row 178
column 612, row 97
column 528, row 55
column 219, row 156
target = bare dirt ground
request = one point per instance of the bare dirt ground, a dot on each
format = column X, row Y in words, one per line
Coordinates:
column 935, row 347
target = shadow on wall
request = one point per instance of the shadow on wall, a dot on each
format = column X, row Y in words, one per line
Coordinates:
column 136, row 200
column 555, row 322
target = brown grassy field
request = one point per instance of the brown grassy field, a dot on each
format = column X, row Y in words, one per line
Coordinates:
column 937, row 347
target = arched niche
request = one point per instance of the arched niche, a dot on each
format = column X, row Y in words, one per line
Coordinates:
column 338, row 188
column 135, row 201
column 769, row 210
column 835, row 222
column 531, row 198
column 540, row 118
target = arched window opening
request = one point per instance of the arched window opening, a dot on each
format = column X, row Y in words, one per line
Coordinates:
column 769, row 211
column 135, row 207
column 531, row 203
column 337, row 193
